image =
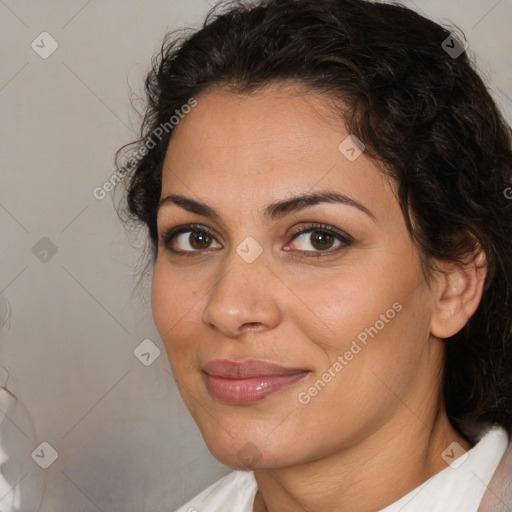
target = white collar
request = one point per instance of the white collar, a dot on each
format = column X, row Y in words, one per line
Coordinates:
column 461, row 485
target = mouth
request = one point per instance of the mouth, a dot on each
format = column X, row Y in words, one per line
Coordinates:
column 238, row 383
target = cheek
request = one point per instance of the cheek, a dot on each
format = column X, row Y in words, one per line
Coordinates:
column 344, row 306
column 373, row 313
column 162, row 302
column 173, row 304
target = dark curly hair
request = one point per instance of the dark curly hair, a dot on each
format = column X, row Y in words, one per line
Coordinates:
column 424, row 115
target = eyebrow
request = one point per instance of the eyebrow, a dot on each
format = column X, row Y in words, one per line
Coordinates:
column 273, row 211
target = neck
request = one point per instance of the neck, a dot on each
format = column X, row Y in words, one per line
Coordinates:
column 365, row 477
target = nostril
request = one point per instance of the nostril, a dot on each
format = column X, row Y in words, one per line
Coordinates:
column 251, row 324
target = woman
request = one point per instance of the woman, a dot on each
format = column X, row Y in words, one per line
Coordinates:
column 323, row 184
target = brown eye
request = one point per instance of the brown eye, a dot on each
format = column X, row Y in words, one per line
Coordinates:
column 200, row 240
column 189, row 239
column 321, row 238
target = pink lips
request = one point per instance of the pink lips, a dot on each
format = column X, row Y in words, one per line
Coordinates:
column 246, row 382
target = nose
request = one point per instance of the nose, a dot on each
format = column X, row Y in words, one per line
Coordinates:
column 245, row 297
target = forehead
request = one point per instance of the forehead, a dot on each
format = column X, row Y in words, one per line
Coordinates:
column 265, row 146
column 269, row 115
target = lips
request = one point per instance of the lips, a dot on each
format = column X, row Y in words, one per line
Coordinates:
column 249, row 381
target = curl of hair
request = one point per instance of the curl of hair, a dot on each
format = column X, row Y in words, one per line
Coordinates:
column 425, row 117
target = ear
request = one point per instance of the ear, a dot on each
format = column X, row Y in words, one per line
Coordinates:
column 458, row 293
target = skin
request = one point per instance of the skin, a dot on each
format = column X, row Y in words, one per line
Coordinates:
column 378, row 429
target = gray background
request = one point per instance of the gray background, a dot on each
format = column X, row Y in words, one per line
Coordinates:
column 124, row 440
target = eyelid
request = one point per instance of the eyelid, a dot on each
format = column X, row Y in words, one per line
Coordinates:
column 169, row 235
column 319, row 226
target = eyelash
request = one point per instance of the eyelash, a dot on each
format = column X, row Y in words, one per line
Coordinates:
column 346, row 240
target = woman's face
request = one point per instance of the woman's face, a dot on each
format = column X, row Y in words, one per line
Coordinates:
column 344, row 315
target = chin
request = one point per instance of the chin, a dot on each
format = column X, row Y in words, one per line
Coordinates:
column 251, row 452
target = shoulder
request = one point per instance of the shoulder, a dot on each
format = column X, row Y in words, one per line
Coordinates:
column 235, row 491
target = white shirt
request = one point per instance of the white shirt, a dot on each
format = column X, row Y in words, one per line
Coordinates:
column 459, row 487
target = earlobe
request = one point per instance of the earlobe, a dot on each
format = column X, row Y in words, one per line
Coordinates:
column 458, row 293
